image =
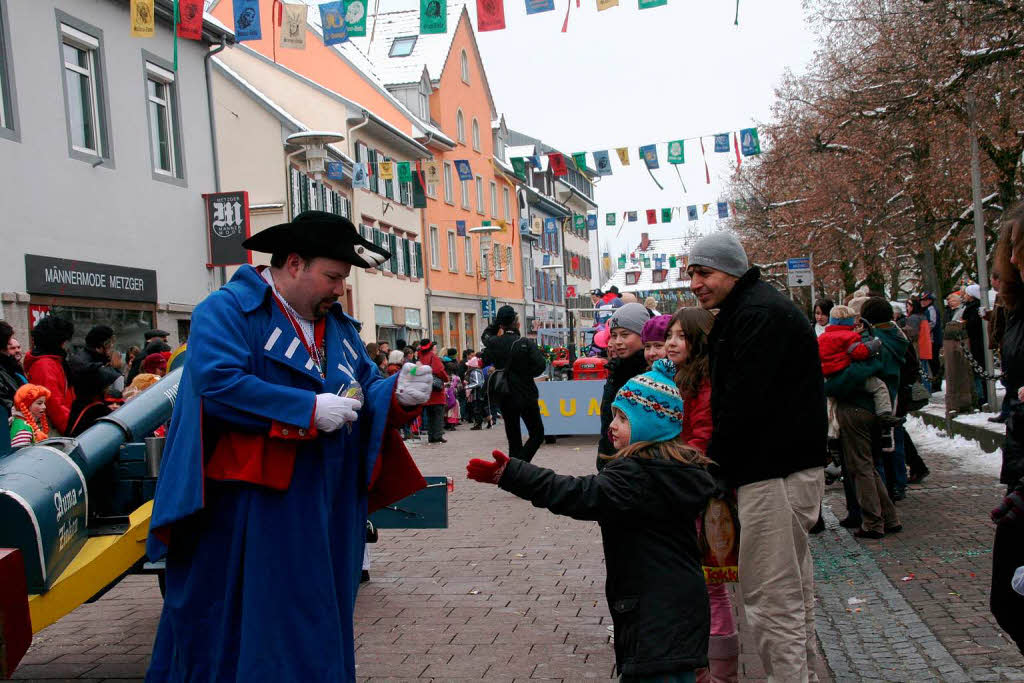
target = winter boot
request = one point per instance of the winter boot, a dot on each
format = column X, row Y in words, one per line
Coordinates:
column 723, row 660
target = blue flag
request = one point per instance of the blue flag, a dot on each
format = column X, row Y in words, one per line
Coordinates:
column 359, row 177
column 723, row 210
column 332, row 22
column 535, row 160
column 550, row 226
column 464, row 169
column 649, row 153
column 247, row 20
column 335, row 170
column 691, row 212
column 749, row 142
column 722, row 142
column 631, row 216
column 591, row 221
column 460, row 228
column 535, row 6
column 524, row 225
column 602, row 162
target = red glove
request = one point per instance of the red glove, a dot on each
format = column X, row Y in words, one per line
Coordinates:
column 487, row 472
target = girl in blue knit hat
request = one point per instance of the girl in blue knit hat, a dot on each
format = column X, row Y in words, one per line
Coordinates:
column 646, row 500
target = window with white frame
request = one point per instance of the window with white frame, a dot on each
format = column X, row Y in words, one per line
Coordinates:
column 476, row 135
column 453, row 257
column 494, row 199
column 480, row 195
column 83, row 91
column 467, row 248
column 460, row 127
column 435, row 249
column 8, row 116
column 448, row 189
column 164, row 138
column 465, row 193
column 496, row 256
column 510, row 265
column 508, row 205
column 465, row 67
column 424, row 100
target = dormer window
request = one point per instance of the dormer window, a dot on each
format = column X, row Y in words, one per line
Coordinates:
column 402, row 46
column 632, row 277
column 659, row 275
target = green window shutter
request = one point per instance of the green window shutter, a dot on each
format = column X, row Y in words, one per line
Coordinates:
column 406, row 245
column 395, row 257
column 419, row 260
column 303, row 194
column 371, row 156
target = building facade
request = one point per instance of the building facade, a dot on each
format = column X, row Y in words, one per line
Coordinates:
column 117, row 232
column 657, row 269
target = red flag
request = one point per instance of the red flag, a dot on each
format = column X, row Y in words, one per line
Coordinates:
column 652, row 216
column 190, row 24
column 557, row 163
column 736, row 146
column 707, row 173
column 490, row 15
column 574, row 263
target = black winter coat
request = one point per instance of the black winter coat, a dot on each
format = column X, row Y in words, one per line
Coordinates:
column 620, row 371
column 655, row 585
column 1012, row 473
column 519, row 356
column 975, row 336
column 767, row 391
column 9, row 380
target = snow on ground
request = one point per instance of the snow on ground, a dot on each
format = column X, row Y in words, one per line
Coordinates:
column 967, row 453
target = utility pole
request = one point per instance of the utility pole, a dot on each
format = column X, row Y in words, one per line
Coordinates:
column 979, row 243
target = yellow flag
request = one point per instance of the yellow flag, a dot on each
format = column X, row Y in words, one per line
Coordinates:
column 142, row 18
column 602, row 5
column 704, row 208
column 293, row 28
column 623, row 153
column 386, row 170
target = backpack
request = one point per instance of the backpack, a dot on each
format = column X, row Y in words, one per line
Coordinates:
column 498, row 384
column 912, row 394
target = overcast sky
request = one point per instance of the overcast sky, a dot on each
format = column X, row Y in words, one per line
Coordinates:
column 625, row 77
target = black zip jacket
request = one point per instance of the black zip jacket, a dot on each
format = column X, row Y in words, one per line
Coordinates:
column 655, row 585
column 1012, row 473
column 767, row 393
column 620, row 371
column 519, row 356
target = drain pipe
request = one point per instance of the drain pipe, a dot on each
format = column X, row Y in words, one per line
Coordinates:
column 222, row 271
column 424, row 240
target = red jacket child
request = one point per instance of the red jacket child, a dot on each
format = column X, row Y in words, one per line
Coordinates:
column 839, row 345
column 697, row 418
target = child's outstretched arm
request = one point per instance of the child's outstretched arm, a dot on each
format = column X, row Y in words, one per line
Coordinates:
column 592, row 497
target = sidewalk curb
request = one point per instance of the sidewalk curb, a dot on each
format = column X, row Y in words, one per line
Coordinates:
column 989, row 440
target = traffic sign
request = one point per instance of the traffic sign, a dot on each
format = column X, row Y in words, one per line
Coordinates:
column 489, row 307
column 799, row 273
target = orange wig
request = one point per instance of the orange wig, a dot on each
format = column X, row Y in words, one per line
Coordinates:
column 24, row 397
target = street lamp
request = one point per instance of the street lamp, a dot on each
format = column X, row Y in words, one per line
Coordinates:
column 568, row 314
column 486, row 243
column 314, row 144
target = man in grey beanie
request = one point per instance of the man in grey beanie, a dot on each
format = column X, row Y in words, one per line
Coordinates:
column 626, row 346
column 768, row 437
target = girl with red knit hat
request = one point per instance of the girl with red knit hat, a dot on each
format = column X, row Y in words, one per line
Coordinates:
column 28, row 420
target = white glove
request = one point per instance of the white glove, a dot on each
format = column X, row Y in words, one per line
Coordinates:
column 414, row 386
column 333, row 411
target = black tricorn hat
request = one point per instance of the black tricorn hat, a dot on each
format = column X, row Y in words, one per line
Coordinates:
column 318, row 233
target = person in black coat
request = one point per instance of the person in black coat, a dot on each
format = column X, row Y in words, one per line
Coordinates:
column 1008, row 548
column 975, row 337
column 519, row 360
column 769, row 433
column 646, row 500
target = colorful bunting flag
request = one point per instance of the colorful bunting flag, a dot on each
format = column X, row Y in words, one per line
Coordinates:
column 335, row 170
column 355, row 18
column 666, row 215
column 142, row 18
column 190, row 19
column 535, row 160
column 293, row 27
column 431, row 172
column 609, row 219
column 538, row 225
column 490, row 15
column 332, row 22
column 386, row 170
column 556, row 162
column 519, row 166
column 677, row 152
column 750, row 144
column 736, row 146
column 623, row 153
column 419, row 196
column 602, row 162
column 360, row 178
column 722, row 142
column 524, row 225
column 723, row 210
column 580, row 159
column 405, row 172
column 464, row 169
column 550, row 226
column 704, row 208
column 649, row 153
column 247, row 20
column 536, row 6
column 579, row 222
column 707, row 173
column 647, row 4
column 691, row 212
column 433, row 16
column 602, row 5
column 631, row 216
column 652, row 216
column 460, row 228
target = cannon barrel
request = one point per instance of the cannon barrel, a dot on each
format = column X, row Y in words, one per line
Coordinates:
column 44, row 488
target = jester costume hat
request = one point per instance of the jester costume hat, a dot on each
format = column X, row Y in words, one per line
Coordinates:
column 652, row 404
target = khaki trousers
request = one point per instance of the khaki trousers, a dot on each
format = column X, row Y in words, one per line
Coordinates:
column 776, row 573
column 855, row 435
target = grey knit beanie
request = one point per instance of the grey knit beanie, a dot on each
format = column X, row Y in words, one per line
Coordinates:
column 721, row 251
column 631, row 317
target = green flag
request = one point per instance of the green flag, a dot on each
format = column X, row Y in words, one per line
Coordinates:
column 519, row 166
column 579, row 222
column 433, row 16
column 581, row 160
column 647, row 4
column 609, row 219
column 666, row 215
column 676, row 152
column 419, row 197
column 404, row 172
column 355, row 18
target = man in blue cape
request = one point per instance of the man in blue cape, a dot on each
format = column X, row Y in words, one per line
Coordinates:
column 283, row 438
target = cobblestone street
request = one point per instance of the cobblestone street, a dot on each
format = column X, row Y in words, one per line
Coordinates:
column 510, row 592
